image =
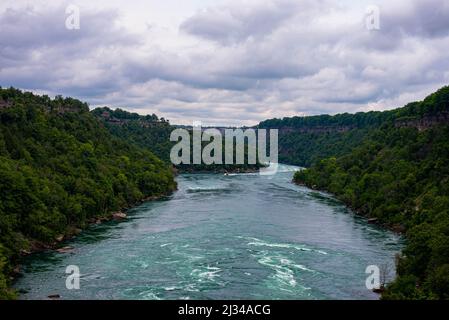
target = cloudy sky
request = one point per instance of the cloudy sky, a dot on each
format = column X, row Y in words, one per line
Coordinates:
column 232, row 62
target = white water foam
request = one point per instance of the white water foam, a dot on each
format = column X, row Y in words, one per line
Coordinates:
column 261, row 243
column 284, row 271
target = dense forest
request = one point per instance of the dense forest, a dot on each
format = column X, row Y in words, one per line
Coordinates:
column 145, row 131
column 154, row 133
column 60, row 168
column 305, row 140
column 395, row 171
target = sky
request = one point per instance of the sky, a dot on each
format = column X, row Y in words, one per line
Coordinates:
column 228, row 62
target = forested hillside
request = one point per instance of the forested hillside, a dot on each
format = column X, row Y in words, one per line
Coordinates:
column 398, row 173
column 305, row 140
column 59, row 168
column 145, row 131
column 154, row 133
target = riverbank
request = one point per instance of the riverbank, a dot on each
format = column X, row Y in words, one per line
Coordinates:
column 396, row 228
column 58, row 244
column 221, row 237
column 218, row 169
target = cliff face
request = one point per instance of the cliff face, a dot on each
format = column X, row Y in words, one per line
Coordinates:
column 142, row 121
column 59, row 105
column 420, row 122
column 425, row 122
column 315, row 129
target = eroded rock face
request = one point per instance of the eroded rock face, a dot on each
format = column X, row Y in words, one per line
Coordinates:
column 426, row 122
column 315, row 129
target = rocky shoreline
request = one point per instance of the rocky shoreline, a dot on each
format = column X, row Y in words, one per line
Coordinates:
column 190, row 169
column 396, row 228
column 72, row 231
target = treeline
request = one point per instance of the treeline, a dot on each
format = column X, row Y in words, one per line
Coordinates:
column 433, row 104
column 60, row 168
column 361, row 119
column 399, row 175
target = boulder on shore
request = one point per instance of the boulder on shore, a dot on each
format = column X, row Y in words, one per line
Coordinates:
column 25, row 252
column 16, row 270
column 66, row 249
column 119, row 216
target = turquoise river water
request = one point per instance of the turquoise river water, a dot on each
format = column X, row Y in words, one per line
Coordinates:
column 242, row 236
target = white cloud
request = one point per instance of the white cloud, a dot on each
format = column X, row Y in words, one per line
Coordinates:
column 236, row 62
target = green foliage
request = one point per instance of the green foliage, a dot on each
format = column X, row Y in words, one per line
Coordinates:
column 5, row 292
column 154, row 133
column 400, row 175
column 60, row 168
column 305, row 140
column 145, row 131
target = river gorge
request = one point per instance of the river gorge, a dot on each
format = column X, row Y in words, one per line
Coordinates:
column 240, row 236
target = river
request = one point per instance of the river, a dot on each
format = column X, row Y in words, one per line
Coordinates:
column 242, row 236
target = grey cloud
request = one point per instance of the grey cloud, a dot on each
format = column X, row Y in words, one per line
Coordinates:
column 428, row 18
column 37, row 51
column 29, row 29
column 240, row 22
column 407, row 19
column 247, row 61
